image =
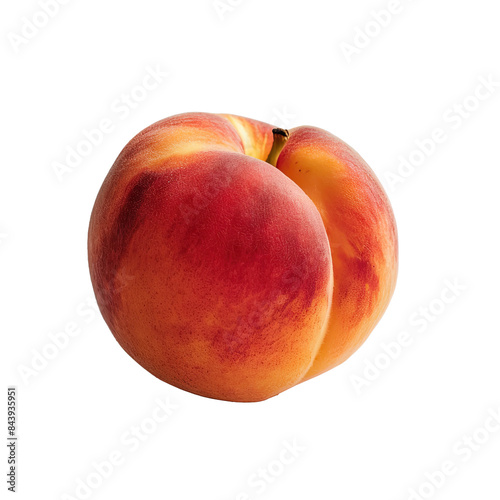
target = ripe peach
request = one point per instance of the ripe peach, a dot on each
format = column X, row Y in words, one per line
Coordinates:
column 213, row 245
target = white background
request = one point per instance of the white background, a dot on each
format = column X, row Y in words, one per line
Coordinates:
column 285, row 63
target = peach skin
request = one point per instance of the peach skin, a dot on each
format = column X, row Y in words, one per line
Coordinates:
column 214, row 244
column 361, row 230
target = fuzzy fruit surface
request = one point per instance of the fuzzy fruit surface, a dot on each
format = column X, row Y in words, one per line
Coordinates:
column 234, row 260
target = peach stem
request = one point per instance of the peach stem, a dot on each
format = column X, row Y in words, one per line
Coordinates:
column 280, row 136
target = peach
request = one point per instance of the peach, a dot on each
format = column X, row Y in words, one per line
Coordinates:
column 214, row 245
